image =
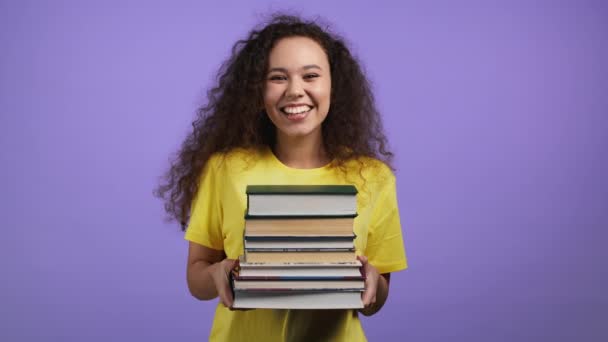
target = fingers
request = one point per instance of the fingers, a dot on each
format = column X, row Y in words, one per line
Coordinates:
column 362, row 258
column 371, row 283
column 225, row 293
column 369, row 298
column 223, row 283
column 369, row 295
column 229, row 264
column 226, row 297
column 369, row 303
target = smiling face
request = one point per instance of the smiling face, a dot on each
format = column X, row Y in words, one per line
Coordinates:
column 297, row 89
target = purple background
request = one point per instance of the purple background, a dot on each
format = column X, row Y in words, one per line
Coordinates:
column 497, row 111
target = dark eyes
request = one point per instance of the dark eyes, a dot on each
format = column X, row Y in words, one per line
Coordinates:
column 277, row 78
column 284, row 78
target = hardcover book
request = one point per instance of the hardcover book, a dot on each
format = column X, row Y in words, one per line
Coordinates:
column 297, row 300
column 299, row 226
column 286, row 244
column 244, row 284
column 301, row 257
column 298, row 272
column 301, row 200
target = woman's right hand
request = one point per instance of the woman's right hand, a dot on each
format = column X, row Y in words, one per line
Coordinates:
column 208, row 274
column 220, row 274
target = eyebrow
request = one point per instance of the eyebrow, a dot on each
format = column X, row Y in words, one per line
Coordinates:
column 306, row 67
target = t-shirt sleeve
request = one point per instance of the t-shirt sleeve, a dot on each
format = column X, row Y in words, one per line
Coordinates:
column 205, row 226
column 385, row 249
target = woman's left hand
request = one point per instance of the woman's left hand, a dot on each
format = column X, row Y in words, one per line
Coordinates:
column 372, row 277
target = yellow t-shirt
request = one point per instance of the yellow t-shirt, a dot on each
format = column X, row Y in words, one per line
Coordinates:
column 217, row 221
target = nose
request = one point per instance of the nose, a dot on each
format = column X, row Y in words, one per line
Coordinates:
column 294, row 89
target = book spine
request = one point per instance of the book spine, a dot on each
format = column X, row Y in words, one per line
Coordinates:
column 297, row 278
column 264, row 265
column 289, row 290
column 249, row 216
column 296, row 249
column 301, row 257
column 321, row 189
column 289, row 238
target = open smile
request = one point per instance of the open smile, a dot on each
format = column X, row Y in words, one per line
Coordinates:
column 295, row 110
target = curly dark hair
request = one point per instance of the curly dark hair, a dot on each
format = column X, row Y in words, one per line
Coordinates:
column 234, row 116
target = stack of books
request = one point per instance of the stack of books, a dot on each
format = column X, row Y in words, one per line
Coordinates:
column 299, row 249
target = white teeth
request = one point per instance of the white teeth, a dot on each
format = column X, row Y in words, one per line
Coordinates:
column 296, row 110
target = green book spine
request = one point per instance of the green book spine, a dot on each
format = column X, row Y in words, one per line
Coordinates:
column 301, row 190
column 270, row 217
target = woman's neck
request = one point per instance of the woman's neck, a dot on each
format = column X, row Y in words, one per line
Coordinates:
column 301, row 153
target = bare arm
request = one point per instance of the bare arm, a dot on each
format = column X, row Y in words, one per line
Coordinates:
column 207, row 273
column 381, row 295
column 376, row 288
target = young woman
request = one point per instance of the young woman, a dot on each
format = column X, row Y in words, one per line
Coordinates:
column 292, row 107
